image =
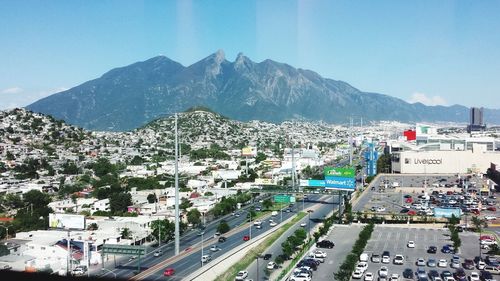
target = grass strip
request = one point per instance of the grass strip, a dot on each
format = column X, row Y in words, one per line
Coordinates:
column 296, row 259
column 250, row 257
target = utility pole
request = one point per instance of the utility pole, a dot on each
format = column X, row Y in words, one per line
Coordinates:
column 177, row 230
column 350, row 141
column 293, row 166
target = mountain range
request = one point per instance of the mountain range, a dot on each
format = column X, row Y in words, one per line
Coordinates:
column 129, row 97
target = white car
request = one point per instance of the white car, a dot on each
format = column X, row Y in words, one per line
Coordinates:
column 271, row 265
column 303, row 224
column 158, row 253
column 420, row 262
column 273, row 223
column 480, row 265
column 300, row 278
column 411, row 244
column 242, row 275
column 490, row 217
column 386, row 259
column 357, row 274
column 383, row 271
column 394, row 277
column 442, row 263
column 214, row 248
column 319, row 254
column 368, row 276
column 362, row 266
column 474, row 276
column 487, row 242
column 380, row 209
column 398, row 259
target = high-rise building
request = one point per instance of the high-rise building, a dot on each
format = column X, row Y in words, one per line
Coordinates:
column 476, row 119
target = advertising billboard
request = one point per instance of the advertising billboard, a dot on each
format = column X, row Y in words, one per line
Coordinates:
column 340, row 178
column 265, row 181
column 67, row 221
column 248, row 151
column 447, row 212
column 312, row 183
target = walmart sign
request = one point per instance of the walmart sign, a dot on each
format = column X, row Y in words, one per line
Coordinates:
column 340, row 178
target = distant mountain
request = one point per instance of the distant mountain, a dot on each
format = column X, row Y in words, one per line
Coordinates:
column 128, row 97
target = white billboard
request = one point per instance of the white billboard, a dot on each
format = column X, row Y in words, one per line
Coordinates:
column 67, row 221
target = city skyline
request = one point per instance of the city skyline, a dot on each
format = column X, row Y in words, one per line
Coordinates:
column 431, row 52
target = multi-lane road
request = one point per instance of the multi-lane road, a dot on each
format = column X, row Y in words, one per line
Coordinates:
column 189, row 259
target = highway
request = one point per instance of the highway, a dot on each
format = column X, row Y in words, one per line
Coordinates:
column 125, row 268
column 323, row 207
column 190, row 263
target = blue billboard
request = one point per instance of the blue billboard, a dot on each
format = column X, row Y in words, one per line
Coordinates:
column 340, row 183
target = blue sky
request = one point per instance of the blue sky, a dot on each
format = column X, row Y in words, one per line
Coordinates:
column 436, row 52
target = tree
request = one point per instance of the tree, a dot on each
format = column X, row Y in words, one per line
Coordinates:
column 267, row 204
column 137, row 160
column 223, row 227
column 478, row 223
column 118, row 202
column 126, row 233
column 10, row 156
column 38, row 201
column 13, row 201
column 93, row 226
column 151, row 198
column 103, row 167
column 260, row 157
column 165, row 228
column 454, row 220
column 193, row 216
column 185, row 204
column 70, row 168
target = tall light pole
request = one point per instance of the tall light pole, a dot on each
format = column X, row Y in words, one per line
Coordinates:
column 177, row 229
column 202, row 247
column 250, row 228
column 309, row 223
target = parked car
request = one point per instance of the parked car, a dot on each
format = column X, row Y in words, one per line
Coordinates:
column 486, row 276
column 431, row 263
column 420, row 262
column 325, row 244
column 242, row 275
column 432, row 250
column 460, row 275
column 410, row 244
column 357, row 274
column 468, row 264
column 421, row 272
column 408, row 273
column 363, row 266
column 375, row 258
column 271, row 265
column 383, row 271
column 398, row 259
column 443, row 263
column 267, row 256
column 386, row 257
column 368, row 276
column 474, row 276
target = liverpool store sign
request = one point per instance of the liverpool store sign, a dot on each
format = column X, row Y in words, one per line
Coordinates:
column 428, row 161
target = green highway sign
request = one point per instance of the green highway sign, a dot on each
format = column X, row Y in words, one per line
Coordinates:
column 284, row 199
column 123, row 250
column 339, row 172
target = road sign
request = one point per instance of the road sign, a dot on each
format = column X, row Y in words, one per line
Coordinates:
column 123, row 250
column 284, row 199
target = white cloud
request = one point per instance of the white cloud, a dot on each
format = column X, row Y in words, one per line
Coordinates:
column 17, row 97
column 13, row 90
column 427, row 100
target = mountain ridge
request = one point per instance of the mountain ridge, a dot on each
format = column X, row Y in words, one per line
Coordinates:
column 128, row 97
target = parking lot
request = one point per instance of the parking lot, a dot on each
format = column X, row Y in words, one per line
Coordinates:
column 395, row 241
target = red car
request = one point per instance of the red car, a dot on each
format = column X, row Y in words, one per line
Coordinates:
column 246, row 238
column 491, row 208
column 409, row 200
column 411, row 212
column 169, row 272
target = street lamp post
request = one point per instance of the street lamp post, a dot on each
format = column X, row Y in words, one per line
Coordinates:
column 202, row 247
column 250, row 228
column 309, row 223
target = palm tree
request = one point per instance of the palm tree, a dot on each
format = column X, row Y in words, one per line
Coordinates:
column 478, row 223
column 126, row 233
